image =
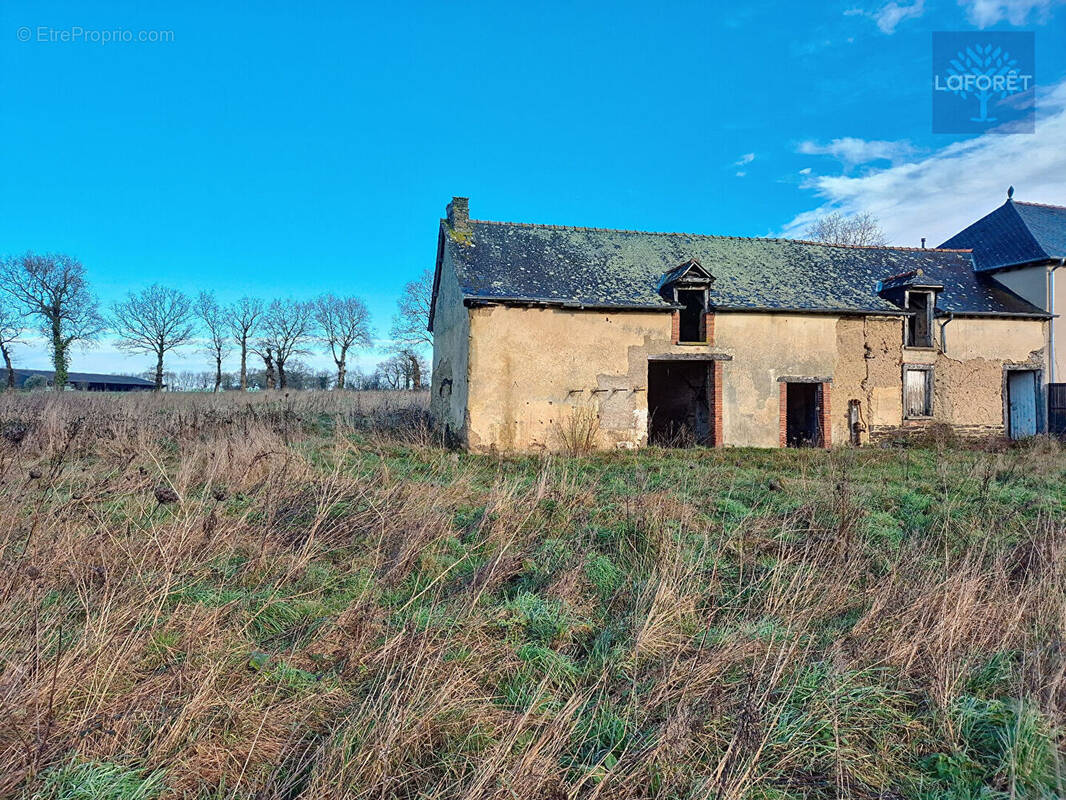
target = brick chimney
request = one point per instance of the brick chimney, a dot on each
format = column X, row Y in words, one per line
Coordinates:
column 459, row 214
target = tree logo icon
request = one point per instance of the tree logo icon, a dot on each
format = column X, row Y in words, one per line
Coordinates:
column 983, row 85
column 984, row 71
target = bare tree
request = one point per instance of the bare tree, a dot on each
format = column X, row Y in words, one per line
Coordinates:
column 155, row 320
column 402, row 370
column 390, row 372
column 415, row 370
column 245, row 317
column 410, row 322
column 343, row 323
column 835, row 228
column 287, row 326
column 214, row 320
column 412, row 365
column 270, row 380
column 11, row 327
column 53, row 288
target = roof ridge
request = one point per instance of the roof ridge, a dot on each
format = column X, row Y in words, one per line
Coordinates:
column 721, row 236
column 1039, row 205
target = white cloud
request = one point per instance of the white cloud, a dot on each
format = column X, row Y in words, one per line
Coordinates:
column 805, row 171
column 741, row 173
column 851, row 151
column 893, row 14
column 939, row 194
column 984, row 13
column 890, row 15
column 747, row 158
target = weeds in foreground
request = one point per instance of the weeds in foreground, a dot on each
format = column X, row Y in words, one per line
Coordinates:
column 320, row 605
column 580, row 430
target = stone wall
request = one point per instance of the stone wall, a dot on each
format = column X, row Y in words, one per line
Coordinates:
column 969, row 360
column 535, row 372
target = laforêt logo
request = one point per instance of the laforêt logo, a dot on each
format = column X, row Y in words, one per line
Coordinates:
column 984, row 82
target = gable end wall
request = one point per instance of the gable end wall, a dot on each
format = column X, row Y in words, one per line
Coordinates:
column 449, row 388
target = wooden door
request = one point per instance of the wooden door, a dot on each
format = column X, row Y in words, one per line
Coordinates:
column 1021, row 396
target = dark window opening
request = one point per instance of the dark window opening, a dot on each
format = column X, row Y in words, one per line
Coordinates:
column 803, row 411
column 679, row 403
column 692, row 315
column 920, row 324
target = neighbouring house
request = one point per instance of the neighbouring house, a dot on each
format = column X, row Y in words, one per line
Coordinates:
column 86, row 381
column 547, row 333
column 1022, row 246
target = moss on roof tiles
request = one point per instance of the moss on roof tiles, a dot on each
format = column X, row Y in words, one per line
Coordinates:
column 599, row 267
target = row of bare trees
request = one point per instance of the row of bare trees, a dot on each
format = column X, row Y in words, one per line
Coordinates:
column 52, row 292
column 158, row 320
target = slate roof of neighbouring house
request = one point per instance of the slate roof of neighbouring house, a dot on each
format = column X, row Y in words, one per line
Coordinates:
column 1015, row 233
column 84, row 377
column 596, row 267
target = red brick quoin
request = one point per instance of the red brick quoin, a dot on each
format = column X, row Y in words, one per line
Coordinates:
column 716, row 367
column 783, row 415
column 827, row 418
column 708, row 328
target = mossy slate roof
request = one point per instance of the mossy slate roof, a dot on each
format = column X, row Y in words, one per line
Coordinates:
column 1015, row 233
column 595, row 267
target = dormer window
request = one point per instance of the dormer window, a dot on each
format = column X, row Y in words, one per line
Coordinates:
column 916, row 294
column 920, row 323
column 688, row 286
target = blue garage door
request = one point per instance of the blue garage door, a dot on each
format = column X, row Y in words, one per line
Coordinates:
column 1021, row 392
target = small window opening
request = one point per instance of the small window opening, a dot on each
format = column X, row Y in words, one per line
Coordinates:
column 920, row 324
column 917, row 393
column 692, row 315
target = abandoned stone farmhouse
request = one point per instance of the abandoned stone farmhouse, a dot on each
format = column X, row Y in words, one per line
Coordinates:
column 547, row 333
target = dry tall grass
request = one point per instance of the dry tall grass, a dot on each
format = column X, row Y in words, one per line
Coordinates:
column 304, row 597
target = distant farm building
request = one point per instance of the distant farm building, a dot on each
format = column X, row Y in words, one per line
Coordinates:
column 83, row 381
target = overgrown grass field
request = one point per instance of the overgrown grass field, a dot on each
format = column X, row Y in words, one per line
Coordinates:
column 305, row 597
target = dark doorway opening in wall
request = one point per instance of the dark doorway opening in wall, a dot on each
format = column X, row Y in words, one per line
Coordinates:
column 802, row 414
column 692, row 315
column 680, row 400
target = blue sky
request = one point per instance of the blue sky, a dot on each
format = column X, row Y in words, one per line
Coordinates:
column 283, row 149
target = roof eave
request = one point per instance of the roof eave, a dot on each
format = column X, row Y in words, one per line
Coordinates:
column 1036, row 262
column 470, row 299
column 436, row 277
column 1042, row 315
column 887, row 312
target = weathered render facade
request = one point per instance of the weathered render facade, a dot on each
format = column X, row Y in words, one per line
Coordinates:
column 544, row 335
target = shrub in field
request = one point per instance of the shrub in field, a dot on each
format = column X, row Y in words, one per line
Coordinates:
column 580, row 429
